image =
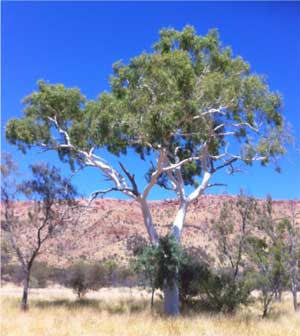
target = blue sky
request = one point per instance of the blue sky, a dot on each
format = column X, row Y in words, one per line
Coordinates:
column 76, row 43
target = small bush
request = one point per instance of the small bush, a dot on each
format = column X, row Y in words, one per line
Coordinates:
column 40, row 274
column 111, row 270
column 193, row 274
column 225, row 293
column 82, row 277
column 76, row 278
column 216, row 289
column 12, row 273
column 96, row 276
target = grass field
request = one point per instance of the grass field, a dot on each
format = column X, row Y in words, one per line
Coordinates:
column 56, row 312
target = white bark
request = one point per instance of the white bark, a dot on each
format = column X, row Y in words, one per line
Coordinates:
column 294, row 293
column 179, row 220
column 171, row 299
column 155, row 175
column 199, row 191
column 148, row 221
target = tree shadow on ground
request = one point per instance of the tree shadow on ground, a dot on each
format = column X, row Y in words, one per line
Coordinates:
column 196, row 307
column 117, row 307
column 242, row 313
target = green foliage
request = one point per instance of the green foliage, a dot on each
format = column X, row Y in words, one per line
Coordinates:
column 82, row 277
column 40, row 274
column 161, row 263
column 193, row 274
column 12, row 273
column 146, row 264
column 158, row 100
column 6, row 252
column 110, row 269
column 170, row 257
column 229, row 284
column 76, row 278
column 214, row 288
column 217, row 288
column 47, row 185
column 268, row 252
column 226, row 293
column 265, row 276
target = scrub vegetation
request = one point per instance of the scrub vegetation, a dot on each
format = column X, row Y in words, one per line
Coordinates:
column 116, row 312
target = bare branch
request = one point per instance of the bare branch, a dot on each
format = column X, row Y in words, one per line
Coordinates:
column 96, row 193
column 227, row 163
column 131, row 178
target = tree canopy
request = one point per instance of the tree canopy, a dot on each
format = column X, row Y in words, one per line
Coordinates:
column 190, row 96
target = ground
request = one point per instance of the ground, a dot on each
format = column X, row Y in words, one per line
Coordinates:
column 123, row 312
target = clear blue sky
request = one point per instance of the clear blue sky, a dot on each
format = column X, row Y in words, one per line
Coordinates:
column 76, row 43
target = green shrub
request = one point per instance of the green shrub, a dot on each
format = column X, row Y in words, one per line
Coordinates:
column 223, row 292
column 12, row 273
column 193, row 274
column 76, row 278
column 40, row 274
column 82, row 277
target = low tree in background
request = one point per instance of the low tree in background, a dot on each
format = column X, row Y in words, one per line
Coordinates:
column 193, row 276
column 267, row 250
column 50, row 198
column 265, row 274
column 83, row 276
column 40, row 275
column 274, row 230
column 76, row 277
column 292, row 255
column 229, row 235
column 111, row 270
column 146, row 264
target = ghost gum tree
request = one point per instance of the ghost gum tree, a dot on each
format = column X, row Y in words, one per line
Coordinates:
column 189, row 108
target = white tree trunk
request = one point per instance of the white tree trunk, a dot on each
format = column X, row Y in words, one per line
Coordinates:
column 148, row 221
column 171, row 292
column 179, row 220
column 171, row 299
column 294, row 293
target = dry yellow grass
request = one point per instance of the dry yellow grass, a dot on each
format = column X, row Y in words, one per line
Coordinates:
column 55, row 312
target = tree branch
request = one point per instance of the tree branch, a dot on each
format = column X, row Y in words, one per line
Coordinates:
column 131, row 178
column 199, row 190
column 182, row 162
column 236, row 125
column 90, row 159
column 155, row 175
column 211, row 111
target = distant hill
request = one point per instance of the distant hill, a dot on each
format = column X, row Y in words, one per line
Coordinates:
column 110, row 224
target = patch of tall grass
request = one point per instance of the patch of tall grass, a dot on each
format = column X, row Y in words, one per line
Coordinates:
column 130, row 315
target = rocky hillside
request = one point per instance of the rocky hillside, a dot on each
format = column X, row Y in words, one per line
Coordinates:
column 106, row 230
